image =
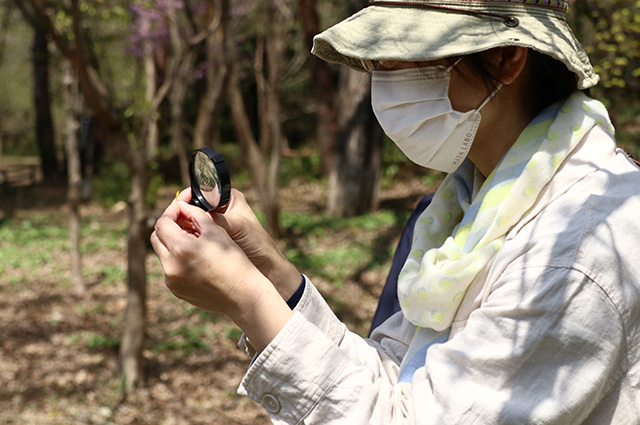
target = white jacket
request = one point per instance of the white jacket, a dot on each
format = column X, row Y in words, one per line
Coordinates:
column 549, row 333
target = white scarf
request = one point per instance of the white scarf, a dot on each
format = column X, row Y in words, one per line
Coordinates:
column 467, row 221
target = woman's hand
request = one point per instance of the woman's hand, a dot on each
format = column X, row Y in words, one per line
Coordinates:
column 245, row 230
column 205, row 267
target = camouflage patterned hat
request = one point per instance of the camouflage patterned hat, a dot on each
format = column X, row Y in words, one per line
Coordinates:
column 422, row 30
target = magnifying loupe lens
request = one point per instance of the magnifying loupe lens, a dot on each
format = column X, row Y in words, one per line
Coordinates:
column 210, row 183
column 207, row 178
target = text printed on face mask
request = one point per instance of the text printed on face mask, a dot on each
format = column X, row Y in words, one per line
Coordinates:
column 464, row 149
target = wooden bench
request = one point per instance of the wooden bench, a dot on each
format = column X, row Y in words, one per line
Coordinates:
column 19, row 171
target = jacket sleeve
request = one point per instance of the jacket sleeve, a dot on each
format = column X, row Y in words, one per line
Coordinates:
column 532, row 353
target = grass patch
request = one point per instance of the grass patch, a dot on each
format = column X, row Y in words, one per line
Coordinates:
column 181, row 342
column 112, row 274
column 30, row 248
column 339, row 248
column 112, row 184
column 99, row 342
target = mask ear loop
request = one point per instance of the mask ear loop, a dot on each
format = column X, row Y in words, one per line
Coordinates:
column 491, row 95
column 450, row 67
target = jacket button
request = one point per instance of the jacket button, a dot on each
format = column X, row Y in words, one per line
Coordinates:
column 271, row 403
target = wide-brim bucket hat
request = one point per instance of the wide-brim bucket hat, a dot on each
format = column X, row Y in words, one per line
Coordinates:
column 423, row 30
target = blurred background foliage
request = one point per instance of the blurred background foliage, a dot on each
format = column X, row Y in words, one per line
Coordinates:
column 608, row 29
column 610, row 33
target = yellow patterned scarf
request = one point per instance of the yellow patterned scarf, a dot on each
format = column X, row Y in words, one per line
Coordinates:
column 468, row 219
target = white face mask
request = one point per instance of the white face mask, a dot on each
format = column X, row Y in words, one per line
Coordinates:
column 414, row 110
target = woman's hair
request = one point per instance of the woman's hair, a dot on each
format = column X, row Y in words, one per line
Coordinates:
column 552, row 80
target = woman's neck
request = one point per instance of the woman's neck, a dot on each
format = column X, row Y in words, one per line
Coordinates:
column 503, row 120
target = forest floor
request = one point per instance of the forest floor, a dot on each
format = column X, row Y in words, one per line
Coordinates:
column 59, row 351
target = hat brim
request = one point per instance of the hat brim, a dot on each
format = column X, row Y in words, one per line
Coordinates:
column 422, row 34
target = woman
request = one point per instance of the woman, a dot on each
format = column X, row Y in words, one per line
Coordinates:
column 521, row 297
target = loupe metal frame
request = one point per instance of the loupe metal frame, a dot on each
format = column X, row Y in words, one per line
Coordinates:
column 224, row 182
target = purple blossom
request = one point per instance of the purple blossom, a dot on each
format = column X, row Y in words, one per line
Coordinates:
column 149, row 26
column 240, row 8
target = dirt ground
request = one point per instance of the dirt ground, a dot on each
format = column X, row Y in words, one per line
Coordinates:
column 59, row 352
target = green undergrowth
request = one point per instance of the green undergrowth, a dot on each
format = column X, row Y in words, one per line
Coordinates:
column 36, row 246
column 338, row 249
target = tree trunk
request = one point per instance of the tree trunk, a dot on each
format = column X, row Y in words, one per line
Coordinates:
column 263, row 157
column 176, row 98
column 74, row 173
column 355, row 175
column 356, row 169
column 134, row 333
column 261, row 89
column 253, row 153
column 324, row 88
column 217, row 78
column 248, row 143
column 1, row 131
column 274, row 47
column 44, row 123
column 181, row 67
column 3, row 34
column 150, row 91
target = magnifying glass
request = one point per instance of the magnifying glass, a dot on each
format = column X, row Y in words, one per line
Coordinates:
column 210, row 183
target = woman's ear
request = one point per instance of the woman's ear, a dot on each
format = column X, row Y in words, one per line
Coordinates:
column 507, row 62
